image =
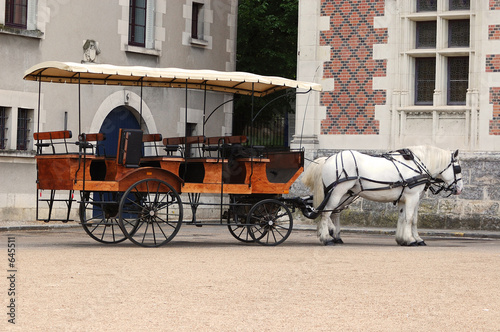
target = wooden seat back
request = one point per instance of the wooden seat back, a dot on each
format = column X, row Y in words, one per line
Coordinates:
column 51, row 139
column 84, row 142
column 129, row 147
column 150, row 140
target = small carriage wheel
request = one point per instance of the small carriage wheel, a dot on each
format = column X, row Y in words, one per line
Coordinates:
column 150, row 213
column 236, row 223
column 99, row 216
column 270, row 222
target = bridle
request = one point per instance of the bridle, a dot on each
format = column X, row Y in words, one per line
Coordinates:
column 438, row 185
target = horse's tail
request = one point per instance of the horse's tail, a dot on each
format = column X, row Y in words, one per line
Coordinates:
column 313, row 179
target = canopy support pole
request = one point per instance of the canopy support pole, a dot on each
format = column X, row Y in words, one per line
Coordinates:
column 79, row 106
column 140, row 106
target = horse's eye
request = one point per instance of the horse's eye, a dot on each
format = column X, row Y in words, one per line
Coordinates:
column 457, row 169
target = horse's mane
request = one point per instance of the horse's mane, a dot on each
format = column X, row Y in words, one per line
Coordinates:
column 434, row 158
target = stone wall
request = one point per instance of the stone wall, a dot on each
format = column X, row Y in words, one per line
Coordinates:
column 477, row 208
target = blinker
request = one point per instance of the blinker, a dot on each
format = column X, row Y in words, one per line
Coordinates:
column 457, row 169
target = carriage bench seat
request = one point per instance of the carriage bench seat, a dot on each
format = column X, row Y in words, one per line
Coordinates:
column 84, row 141
column 150, row 140
column 53, row 138
column 216, row 143
column 174, row 144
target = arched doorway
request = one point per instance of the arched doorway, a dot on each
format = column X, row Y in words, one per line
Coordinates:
column 119, row 117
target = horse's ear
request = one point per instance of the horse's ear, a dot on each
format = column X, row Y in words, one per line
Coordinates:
column 455, row 154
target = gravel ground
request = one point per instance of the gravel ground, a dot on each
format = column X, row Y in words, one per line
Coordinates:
column 206, row 280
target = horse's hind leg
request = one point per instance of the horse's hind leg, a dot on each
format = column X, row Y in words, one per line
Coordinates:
column 324, row 228
column 335, row 230
column 329, row 225
column 414, row 230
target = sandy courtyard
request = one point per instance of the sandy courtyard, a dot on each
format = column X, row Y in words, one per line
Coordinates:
column 207, row 281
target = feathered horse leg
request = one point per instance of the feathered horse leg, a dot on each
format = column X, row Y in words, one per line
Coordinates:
column 335, row 230
column 404, row 236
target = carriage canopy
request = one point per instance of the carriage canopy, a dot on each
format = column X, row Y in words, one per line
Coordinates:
column 211, row 80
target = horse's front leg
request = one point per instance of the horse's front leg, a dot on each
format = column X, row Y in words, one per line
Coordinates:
column 405, row 236
column 400, row 225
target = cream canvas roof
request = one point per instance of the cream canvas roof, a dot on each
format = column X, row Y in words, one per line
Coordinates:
column 103, row 74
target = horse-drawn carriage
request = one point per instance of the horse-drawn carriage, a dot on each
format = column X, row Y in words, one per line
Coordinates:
column 137, row 193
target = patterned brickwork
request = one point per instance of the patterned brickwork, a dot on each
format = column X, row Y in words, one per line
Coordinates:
column 493, row 63
column 494, row 4
column 495, row 100
column 351, row 106
column 494, row 32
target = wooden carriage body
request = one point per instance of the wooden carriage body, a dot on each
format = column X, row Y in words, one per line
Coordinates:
column 137, row 191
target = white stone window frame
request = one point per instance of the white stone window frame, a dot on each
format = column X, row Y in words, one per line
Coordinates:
column 206, row 18
column 441, row 52
column 13, row 101
column 439, row 112
column 37, row 17
column 155, row 32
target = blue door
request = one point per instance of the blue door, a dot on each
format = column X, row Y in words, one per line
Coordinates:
column 120, row 117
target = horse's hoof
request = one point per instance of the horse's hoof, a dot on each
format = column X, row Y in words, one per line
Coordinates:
column 338, row 241
column 421, row 243
column 329, row 243
column 413, row 244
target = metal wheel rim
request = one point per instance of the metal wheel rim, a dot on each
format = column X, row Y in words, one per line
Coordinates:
column 150, row 217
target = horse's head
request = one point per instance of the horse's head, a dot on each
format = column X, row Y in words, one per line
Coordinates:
column 452, row 175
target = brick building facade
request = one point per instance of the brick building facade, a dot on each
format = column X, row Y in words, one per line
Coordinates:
column 399, row 73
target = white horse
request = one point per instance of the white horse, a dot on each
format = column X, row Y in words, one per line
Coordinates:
column 400, row 177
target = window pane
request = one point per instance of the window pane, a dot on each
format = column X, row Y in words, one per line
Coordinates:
column 425, row 80
column 426, row 5
column 458, row 79
column 459, row 4
column 426, row 34
column 3, row 122
column 137, row 22
column 22, row 129
column 458, row 33
column 16, row 12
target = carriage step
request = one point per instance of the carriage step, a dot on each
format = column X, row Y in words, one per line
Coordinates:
column 98, row 202
column 99, row 224
column 48, row 220
column 56, row 200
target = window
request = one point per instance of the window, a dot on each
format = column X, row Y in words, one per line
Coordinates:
column 426, row 5
column 458, row 33
column 425, row 80
column 3, row 128
column 459, row 4
column 23, row 121
column 426, row 34
column 16, row 13
column 441, row 53
column 197, row 21
column 458, row 80
column 137, row 23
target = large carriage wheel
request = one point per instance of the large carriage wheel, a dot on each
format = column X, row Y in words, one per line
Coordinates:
column 150, row 213
column 99, row 216
column 270, row 222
